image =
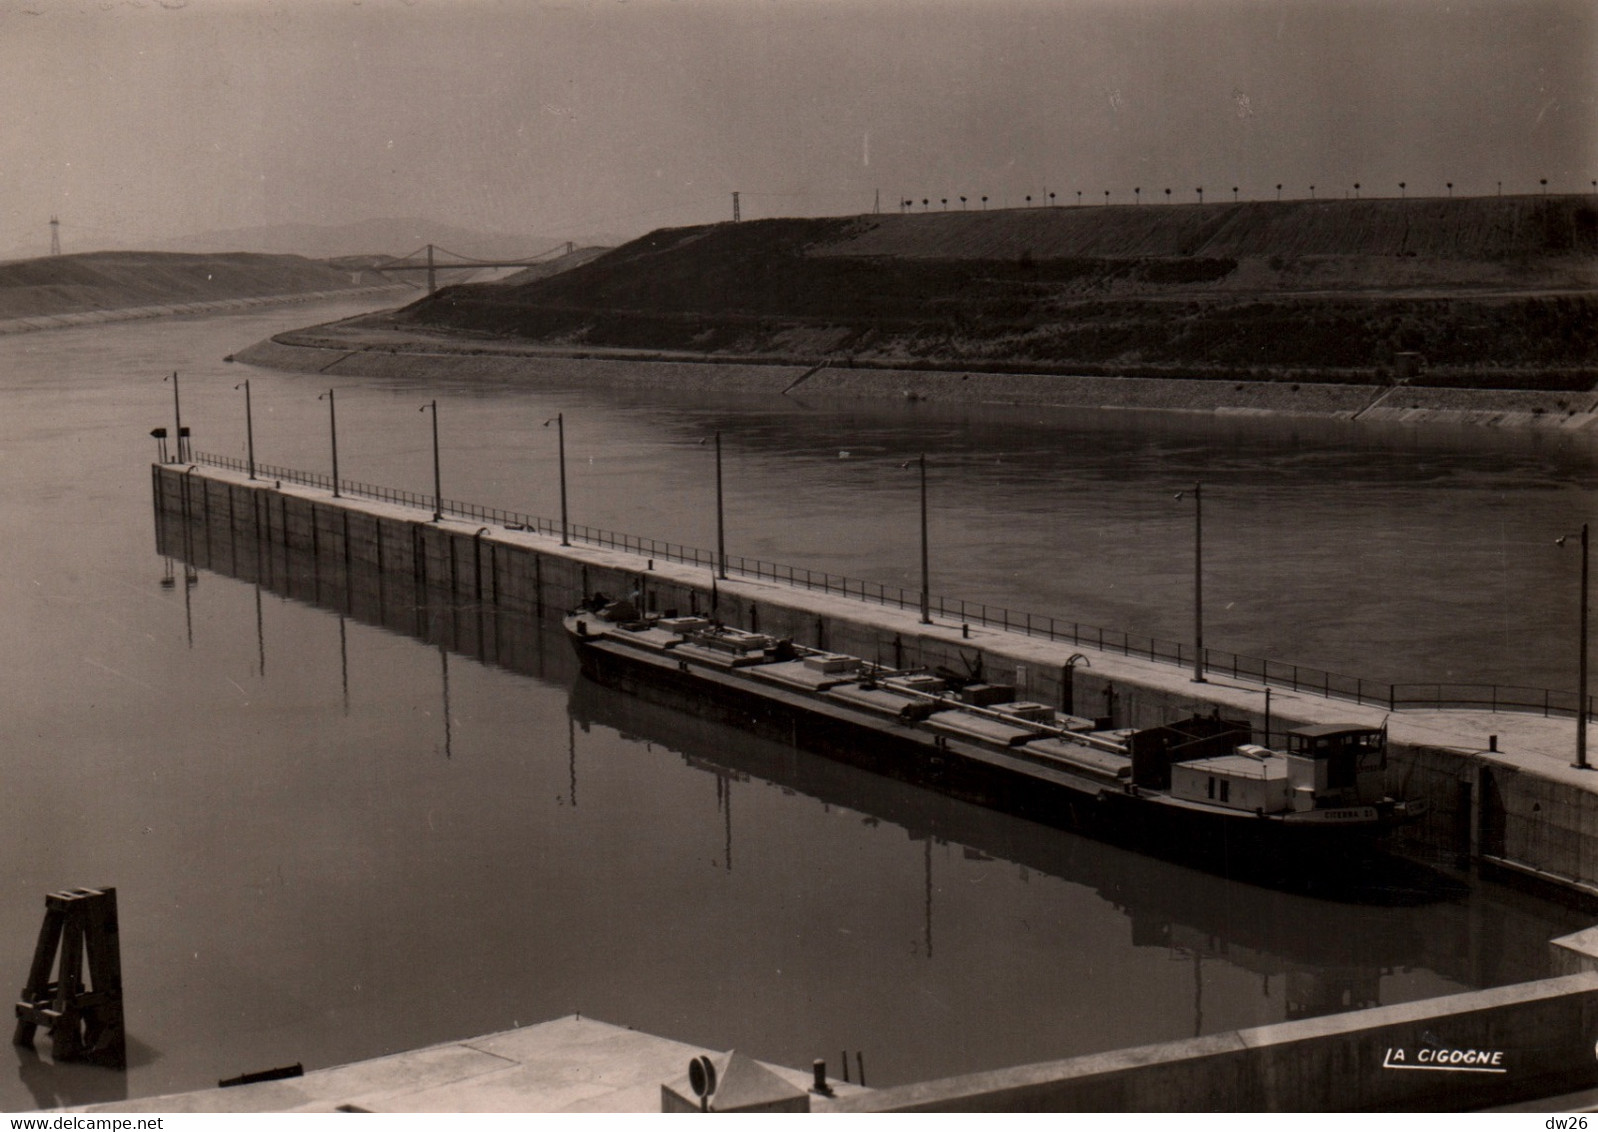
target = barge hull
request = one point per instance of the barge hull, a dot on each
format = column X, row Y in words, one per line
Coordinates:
column 1325, row 860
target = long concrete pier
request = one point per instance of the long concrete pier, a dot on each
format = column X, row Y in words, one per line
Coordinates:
column 1501, row 789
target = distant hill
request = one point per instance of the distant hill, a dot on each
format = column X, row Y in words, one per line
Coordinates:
column 1475, row 291
column 120, row 280
column 365, row 238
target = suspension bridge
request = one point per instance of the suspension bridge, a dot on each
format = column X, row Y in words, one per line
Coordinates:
column 432, row 259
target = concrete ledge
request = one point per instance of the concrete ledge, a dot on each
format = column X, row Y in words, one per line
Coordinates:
column 1369, row 1060
column 571, row 1064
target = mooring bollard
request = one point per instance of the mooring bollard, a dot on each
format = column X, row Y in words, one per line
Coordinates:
column 818, row 1069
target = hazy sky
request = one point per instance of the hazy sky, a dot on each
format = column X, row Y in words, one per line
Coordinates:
column 141, row 119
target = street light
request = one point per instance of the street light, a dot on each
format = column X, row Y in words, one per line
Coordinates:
column 926, row 587
column 332, row 427
column 1581, row 667
column 559, row 421
column 177, row 412
column 1198, row 582
column 438, row 492
column 721, row 524
column 249, row 424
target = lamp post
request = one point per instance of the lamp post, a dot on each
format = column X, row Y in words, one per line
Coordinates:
column 438, row 492
column 177, row 413
column 249, row 425
column 559, row 421
column 926, row 576
column 721, row 523
column 926, row 585
column 332, row 426
column 1267, row 691
column 1198, row 583
column 1581, row 667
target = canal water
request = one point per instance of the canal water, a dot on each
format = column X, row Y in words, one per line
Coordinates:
column 333, row 841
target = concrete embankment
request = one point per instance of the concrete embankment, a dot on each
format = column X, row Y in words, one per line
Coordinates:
column 371, row 353
column 1499, row 784
column 1477, row 1050
column 168, row 310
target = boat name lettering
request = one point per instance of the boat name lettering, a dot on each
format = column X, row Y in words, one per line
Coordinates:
column 1457, row 1060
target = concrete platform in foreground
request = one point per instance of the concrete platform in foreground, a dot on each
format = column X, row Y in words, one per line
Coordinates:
column 1524, row 1045
column 571, row 1064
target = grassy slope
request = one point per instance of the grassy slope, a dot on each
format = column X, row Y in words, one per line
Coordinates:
column 119, row 280
column 1491, row 292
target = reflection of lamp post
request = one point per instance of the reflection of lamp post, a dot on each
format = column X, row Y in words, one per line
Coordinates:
column 559, row 421
column 1581, row 668
column 438, row 493
column 1198, row 583
column 332, row 425
column 249, row 424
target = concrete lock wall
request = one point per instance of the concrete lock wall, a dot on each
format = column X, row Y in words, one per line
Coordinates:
column 448, row 584
column 1514, row 1044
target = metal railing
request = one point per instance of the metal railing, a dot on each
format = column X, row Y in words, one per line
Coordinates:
column 1259, row 670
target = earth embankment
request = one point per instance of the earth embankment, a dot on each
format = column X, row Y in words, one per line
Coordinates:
column 1480, row 293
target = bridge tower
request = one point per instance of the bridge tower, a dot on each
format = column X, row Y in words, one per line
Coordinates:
column 432, row 276
column 55, row 236
column 735, row 216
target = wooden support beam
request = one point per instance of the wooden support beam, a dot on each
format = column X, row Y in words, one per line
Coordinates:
column 85, row 1021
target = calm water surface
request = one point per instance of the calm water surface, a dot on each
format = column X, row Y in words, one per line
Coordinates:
column 332, row 840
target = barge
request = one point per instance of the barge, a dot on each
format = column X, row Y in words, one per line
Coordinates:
column 1198, row 790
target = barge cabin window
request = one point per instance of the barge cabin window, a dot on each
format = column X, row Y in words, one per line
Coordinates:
column 1348, row 751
